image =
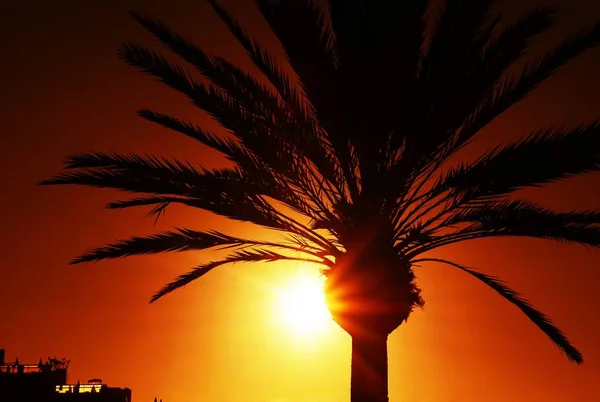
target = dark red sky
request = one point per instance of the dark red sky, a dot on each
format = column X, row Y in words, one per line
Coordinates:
column 63, row 90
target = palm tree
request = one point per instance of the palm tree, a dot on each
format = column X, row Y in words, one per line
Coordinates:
column 354, row 143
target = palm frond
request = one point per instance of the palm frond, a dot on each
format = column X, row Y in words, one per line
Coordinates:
column 446, row 72
column 521, row 211
column 233, row 150
column 240, row 256
column 245, row 89
column 512, row 91
column 543, row 157
column 136, row 173
column 249, row 128
column 155, row 64
column 505, row 218
column 254, row 210
column 184, row 48
column 217, row 104
column 488, row 66
column 261, row 254
column 301, row 29
column 169, row 241
column 159, row 204
column 191, row 276
column 267, row 64
column 425, row 133
column 124, row 180
column 522, row 218
column 219, row 191
column 537, row 317
column 182, row 240
column 180, row 178
column 259, row 171
column 223, row 145
column 132, row 162
column 145, row 201
column 301, row 134
column 306, row 39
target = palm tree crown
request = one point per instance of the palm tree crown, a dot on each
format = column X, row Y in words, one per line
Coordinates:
column 354, row 144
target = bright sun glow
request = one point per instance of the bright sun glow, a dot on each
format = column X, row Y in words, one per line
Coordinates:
column 302, row 305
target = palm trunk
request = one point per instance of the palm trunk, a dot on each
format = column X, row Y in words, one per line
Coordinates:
column 369, row 376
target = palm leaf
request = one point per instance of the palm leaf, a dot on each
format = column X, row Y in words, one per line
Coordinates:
column 541, row 158
column 218, row 191
column 512, row 91
column 445, row 74
column 180, row 240
column 266, row 63
column 240, row 256
column 487, row 67
column 537, row 317
column 494, row 212
column 301, row 29
column 242, row 87
column 225, row 146
column 503, row 218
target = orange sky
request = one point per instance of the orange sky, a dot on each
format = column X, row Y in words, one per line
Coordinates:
column 63, row 90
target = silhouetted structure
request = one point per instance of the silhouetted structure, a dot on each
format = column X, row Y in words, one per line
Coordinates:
column 47, row 382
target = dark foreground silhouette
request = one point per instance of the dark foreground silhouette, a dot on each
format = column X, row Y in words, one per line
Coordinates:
column 47, row 382
column 357, row 149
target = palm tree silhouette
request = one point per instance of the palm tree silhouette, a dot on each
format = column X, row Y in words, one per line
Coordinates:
column 357, row 150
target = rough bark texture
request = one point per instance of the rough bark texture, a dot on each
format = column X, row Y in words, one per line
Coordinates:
column 369, row 375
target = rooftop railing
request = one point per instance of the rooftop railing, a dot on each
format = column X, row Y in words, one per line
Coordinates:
column 24, row 368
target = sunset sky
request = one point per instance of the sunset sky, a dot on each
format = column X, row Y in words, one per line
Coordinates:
column 223, row 338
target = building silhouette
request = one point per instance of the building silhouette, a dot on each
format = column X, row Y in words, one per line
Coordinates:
column 47, row 382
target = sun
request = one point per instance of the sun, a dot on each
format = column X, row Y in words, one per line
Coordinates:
column 301, row 305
